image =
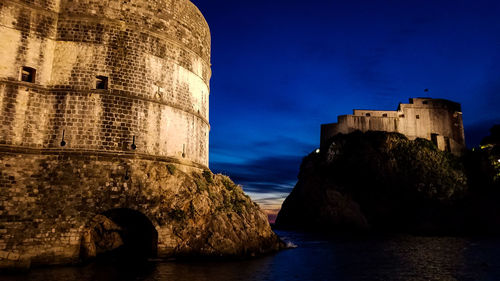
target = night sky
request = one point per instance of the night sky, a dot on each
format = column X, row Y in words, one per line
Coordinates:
column 283, row 67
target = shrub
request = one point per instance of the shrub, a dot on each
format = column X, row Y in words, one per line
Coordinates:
column 208, row 176
column 171, row 168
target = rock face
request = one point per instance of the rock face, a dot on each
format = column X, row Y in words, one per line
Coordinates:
column 102, row 235
column 59, row 208
column 104, row 121
column 378, row 181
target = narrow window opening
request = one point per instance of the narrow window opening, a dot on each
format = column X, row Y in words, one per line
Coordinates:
column 448, row 144
column 434, row 139
column 418, row 116
column 28, row 74
column 101, row 83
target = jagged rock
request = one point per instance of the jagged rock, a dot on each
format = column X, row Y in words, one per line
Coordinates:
column 101, row 236
column 376, row 180
column 216, row 218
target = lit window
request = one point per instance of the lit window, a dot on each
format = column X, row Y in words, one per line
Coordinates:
column 101, row 82
column 28, row 74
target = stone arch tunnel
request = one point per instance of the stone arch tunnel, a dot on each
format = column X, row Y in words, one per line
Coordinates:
column 53, row 198
column 113, row 114
column 123, row 233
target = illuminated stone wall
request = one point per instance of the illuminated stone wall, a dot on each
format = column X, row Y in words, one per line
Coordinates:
column 155, row 56
column 434, row 119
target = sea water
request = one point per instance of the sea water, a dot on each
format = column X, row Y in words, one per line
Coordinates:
column 314, row 257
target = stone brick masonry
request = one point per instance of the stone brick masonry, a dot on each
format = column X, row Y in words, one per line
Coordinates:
column 67, row 144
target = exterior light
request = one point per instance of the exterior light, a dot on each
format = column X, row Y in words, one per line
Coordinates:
column 317, row 151
column 63, row 142
column 134, row 147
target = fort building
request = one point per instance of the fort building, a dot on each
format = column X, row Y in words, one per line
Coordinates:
column 96, row 98
column 437, row 120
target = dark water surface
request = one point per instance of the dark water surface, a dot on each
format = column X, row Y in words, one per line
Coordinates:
column 316, row 258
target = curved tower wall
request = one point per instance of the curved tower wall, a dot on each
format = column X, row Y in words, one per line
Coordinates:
column 155, row 56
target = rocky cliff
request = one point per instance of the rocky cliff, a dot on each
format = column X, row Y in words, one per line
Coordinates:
column 383, row 181
column 209, row 216
column 61, row 209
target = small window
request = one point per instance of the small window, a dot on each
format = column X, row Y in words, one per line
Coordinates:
column 384, row 115
column 368, row 115
column 28, row 74
column 402, row 116
column 418, row 116
column 425, row 102
column 101, row 82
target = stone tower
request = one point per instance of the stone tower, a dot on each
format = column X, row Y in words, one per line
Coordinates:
column 97, row 99
column 115, row 77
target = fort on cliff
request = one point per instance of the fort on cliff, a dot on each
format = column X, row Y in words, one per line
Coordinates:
column 97, row 98
column 437, row 120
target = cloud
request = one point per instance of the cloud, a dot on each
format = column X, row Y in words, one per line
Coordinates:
column 268, row 173
column 267, row 180
column 249, row 147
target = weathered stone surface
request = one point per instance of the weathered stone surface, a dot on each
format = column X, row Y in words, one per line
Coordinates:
column 437, row 120
column 155, row 55
column 71, row 151
column 53, row 199
column 102, row 235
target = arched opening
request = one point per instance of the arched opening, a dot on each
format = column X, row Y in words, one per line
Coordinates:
column 123, row 234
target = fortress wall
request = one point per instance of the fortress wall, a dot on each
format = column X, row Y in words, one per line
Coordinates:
column 414, row 127
column 47, row 200
column 421, row 118
column 155, row 54
column 388, row 124
column 28, row 34
column 46, row 5
column 179, row 21
column 137, row 61
column 36, row 118
column 375, row 113
column 24, row 116
column 351, row 123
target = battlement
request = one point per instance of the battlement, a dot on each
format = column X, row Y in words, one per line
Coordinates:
column 437, row 120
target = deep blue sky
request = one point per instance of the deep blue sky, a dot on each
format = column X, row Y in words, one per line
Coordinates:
column 283, row 67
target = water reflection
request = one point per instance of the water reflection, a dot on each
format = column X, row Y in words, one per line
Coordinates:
column 317, row 258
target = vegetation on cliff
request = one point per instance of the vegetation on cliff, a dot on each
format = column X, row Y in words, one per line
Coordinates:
column 207, row 215
column 382, row 181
